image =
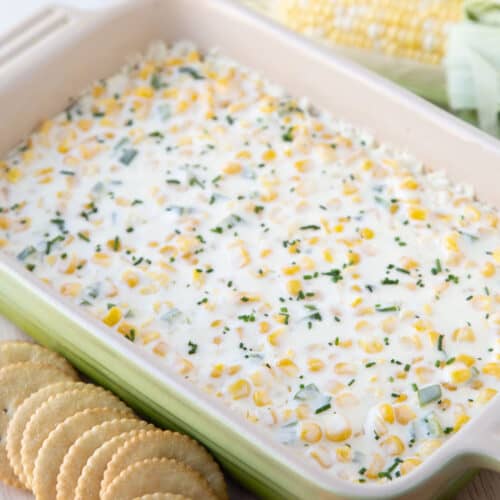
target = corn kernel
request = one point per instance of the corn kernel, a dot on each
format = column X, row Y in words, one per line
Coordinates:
column 404, row 414
column 460, row 421
column 269, row 155
column 337, row 428
column 261, row 398
column 343, row 454
column 146, row 92
column 315, row 364
column 465, row 334
column 367, row 233
column 408, row 465
column 393, row 446
column 485, row 395
column 387, row 412
column 310, row 432
column 294, row 287
column 288, row 367
column 428, row 446
column 217, row 370
column 417, row 213
column 488, row 270
column 290, row 270
column 492, row 369
column 239, row 389
column 113, row 316
column 232, row 168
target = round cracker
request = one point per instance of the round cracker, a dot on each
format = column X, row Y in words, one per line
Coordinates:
column 78, row 475
column 21, row 418
column 55, row 410
column 54, row 448
column 158, row 475
column 89, row 483
column 20, row 351
column 17, row 382
column 162, row 496
column 166, row 444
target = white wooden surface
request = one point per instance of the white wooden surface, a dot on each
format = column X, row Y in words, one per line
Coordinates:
column 486, row 486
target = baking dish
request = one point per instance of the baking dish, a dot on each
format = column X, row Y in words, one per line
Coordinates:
column 58, row 52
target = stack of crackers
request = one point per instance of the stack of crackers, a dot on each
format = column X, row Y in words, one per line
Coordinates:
column 69, row 440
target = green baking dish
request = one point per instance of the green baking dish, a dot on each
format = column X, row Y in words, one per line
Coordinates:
column 58, row 52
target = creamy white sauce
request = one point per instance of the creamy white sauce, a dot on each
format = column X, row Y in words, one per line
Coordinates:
column 314, row 280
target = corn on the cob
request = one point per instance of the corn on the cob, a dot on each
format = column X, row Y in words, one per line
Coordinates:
column 413, row 29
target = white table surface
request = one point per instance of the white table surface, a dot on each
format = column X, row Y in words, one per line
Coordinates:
column 486, row 486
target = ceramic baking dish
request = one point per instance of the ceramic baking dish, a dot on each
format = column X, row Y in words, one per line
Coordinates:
column 58, row 52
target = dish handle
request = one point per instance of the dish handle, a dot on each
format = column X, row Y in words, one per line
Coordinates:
column 32, row 33
column 481, row 438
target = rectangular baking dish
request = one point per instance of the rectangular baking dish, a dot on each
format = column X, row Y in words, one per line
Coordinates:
column 58, row 52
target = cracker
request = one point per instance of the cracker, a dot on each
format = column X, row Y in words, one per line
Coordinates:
column 54, row 411
column 158, row 475
column 167, row 444
column 54, row 448
column 20, row 351
column 17, row 382
column 162, row 496
column 78, row 475
column 89, row 483
column 21, row 418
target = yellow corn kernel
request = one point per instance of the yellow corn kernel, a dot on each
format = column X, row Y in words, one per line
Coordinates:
column 344, row 368
column 198, row 277
column 4, row 222
column 460, row 421
column 269, row 196
column 496, row 255
column 261, row 398
column 290, row 270
column 322, row 457
column 404, row 414
column 131, row 278
column 428, row 447
column 417, row 213
column 328, row 255
column 300, row 165
column 302, row 411
column 465, row 359
column 307, row 263
column 14, row 175
column 288, row 367
column 337, row 428
column 465, row 334
column 460, row 376
column 217, row 370
column 408, row 465
column 387, row 412
column 393, row 446
column 354, row 258
column 113, row 316
column 126, row 328
column 185, row 366
column 315, row 364
column 486, row 394
column 160, row 349
column 239, row 389
column 70, row 289
column 349, row 188
column 294, row 287
column 343, row 454
column 269, row 155
column 266, row 252
column 488, row 270
column 310, row 432
column 244, row 155
column 371, row 346
column 273, row 338
column 409, row 183
column 232, row 168
column 492, row 369
column 356, row 302
column 146, row 92
column 367, row 233
column 389, row 324
column 264, row 327
column 451, row 242
column 376, row 466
